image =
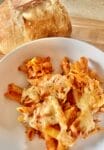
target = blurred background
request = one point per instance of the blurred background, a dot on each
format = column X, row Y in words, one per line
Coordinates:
column 87, row 18
column 93, row 9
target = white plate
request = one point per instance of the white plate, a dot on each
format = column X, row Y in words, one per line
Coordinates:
column 11, row 132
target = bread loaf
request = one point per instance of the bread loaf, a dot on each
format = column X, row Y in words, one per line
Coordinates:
column 25, row 20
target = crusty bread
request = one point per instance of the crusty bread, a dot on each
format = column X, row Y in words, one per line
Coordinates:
column 26, row 20
column 11, row 28
column 24, row 3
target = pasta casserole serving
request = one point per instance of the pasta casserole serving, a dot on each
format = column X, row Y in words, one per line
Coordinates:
column 58, row 107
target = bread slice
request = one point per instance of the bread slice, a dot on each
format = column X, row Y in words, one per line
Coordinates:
column 26, row 20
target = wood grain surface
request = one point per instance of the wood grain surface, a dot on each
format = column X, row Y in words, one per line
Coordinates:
column 88, row 30
column 91, row 31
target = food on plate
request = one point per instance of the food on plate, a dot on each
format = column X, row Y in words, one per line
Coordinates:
column 22, row 21
column 59, row 107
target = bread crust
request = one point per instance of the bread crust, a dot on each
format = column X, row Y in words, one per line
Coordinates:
column 24, row 4
column 11, row 28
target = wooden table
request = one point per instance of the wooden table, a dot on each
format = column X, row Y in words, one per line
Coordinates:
column 91, row 31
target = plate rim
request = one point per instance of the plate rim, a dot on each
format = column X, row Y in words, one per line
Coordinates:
column 50, row 38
